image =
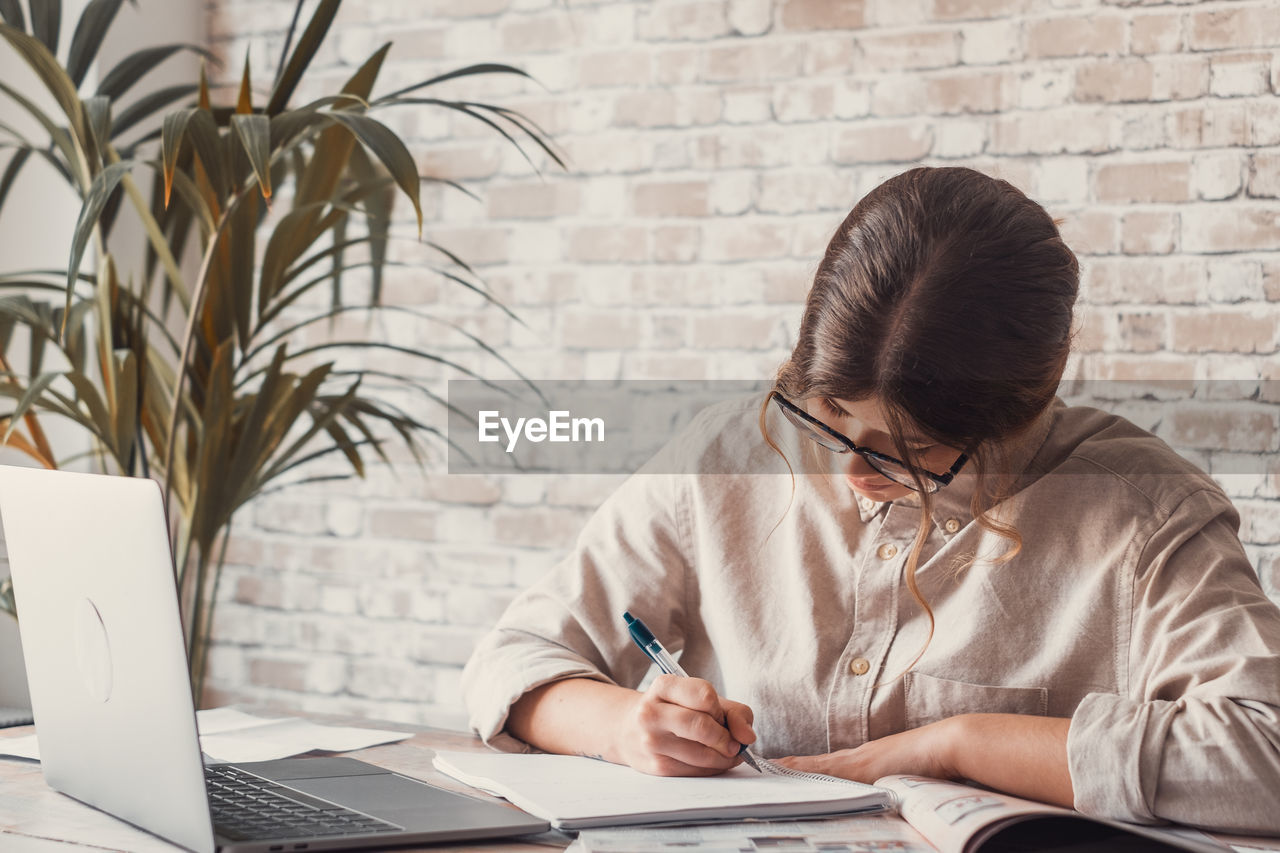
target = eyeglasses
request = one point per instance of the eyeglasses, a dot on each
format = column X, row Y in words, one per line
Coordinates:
column 887, row 466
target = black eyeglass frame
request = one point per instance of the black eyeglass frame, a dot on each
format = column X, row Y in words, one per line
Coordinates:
column 865, row 452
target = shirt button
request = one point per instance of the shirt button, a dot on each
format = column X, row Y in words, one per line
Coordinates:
column 887, row 551
column 865, row 504
column 859, row 666
column 951, row 525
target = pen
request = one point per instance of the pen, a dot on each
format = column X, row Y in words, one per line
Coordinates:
column 650, row 646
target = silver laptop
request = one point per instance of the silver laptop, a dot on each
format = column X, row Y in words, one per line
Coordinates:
column 105, row 658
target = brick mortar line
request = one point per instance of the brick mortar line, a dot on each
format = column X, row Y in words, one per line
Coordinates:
column 875, row 121
column 1115, row 10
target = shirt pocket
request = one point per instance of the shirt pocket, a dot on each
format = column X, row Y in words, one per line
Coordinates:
column 929, row 699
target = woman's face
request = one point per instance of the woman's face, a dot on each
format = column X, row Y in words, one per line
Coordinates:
column 863, row 423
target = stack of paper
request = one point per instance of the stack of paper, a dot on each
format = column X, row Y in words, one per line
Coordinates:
column 230, row 735
column 589, row 793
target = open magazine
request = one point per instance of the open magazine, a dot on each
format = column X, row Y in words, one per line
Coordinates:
column 936, row 817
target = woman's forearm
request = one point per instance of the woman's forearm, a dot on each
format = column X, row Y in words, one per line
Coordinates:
column 576, row 716
column 1023, row 755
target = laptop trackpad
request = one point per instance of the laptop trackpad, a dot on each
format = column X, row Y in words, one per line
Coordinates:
column 382, row 794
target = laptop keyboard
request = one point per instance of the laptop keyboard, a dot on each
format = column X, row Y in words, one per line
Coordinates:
column 249, row 808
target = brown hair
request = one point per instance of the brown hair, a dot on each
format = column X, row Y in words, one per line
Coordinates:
column 947, row 295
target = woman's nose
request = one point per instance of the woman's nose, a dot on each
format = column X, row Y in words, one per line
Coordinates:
column 856, row 466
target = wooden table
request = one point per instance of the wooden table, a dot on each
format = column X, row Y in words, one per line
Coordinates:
column 34, row 818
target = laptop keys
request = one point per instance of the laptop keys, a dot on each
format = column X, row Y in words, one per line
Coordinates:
column 248, row 808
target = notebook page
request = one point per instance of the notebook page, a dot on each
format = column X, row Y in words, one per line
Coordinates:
column 572, row 788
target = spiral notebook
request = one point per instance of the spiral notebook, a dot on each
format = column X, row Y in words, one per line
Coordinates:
column 581, row 793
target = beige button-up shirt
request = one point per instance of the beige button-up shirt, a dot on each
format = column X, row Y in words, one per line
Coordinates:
column 1131, row 608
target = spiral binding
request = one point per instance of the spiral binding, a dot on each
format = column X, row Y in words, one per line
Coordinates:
column 773, row 769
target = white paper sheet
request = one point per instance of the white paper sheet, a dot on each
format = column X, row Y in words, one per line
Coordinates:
column 867, row 832
column 19, row 747
column 230, row 735
column 591, row 793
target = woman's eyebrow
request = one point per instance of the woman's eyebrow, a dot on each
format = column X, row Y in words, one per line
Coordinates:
column 839, row 408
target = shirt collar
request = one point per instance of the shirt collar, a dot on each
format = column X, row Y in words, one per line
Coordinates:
column 952, row 503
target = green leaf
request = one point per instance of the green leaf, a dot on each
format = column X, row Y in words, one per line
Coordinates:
column 288, row 41
column 309, row 42
column 481, row 68
column 7, row 324
column 102, row 186
column 377, row 346
column 244, row 101
column 285, row 332
column 59, row 136
column 473, row 110
column 138, row 64
column 291, row 236
column 415, row 384
column 208, row 144
column 248, row 454
column 331, row 251
column 171, row 133
column 254, row 133
column 533, row 131
column 301, row 481
column 361, row 83
column 124, row 427
column 243, row 237
column 387, row 147
column 336, row 270
column 378, row 209
column 87, row 393
column 283, row 415
column 319, row 180
column 46, row 21
column 215, row 440
column 288, row 124
column 343, row 441
column 27, row 400
column 197, row 125
column 11, row 13
column 98, row 111
column 40, row 58
column 87, row 40
column 106, row 333
column 195, row 202
column 11, row 171
column 353, row 417
column 319, row 421
column 149, row 104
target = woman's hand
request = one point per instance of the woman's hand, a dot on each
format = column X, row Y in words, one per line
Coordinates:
column 926, row 751
column 1020, row 754
column 682, row 727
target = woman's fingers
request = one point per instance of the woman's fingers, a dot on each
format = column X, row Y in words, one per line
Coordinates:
column 662, row 717
column 738, row 719
column 668, row 742
column 682, row 728
column 696, row 694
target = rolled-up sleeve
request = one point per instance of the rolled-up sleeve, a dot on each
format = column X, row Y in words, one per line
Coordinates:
column 1196, row 737
column 628, row 556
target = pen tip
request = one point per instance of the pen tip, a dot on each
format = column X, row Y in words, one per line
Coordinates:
column 626, row 615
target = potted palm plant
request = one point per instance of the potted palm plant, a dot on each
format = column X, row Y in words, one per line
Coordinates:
column 202, row 382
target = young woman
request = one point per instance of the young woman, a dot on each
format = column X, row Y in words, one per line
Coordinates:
column 926, row 563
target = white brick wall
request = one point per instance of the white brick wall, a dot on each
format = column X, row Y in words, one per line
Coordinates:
column 714, row 145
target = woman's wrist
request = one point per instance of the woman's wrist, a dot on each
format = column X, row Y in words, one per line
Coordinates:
column 576, row 716
column 1021, row 754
